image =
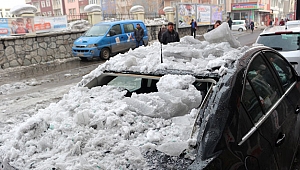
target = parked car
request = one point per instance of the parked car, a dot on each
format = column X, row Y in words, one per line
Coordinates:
column 248, row 118
column 239, row 25
column 293, row 22
column 284, row 39
column 107, row 38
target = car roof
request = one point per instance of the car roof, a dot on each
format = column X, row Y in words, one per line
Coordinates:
column 294, row 22
column 281, row 30
column 118, row 22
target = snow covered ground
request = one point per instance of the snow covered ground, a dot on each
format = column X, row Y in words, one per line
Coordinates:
column 99, row 128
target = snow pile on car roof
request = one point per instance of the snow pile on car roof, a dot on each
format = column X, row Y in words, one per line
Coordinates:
column 188, row 54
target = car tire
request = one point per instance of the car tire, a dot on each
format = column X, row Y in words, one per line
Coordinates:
column 240, row 29
column 105, row 54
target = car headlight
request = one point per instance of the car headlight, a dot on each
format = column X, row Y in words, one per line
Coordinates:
column 74, row 45
column 91, row 45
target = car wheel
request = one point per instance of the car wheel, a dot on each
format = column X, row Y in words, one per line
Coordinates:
column 240, row 29
column 105, row 54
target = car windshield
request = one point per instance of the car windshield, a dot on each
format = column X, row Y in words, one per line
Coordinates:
column 281, row 42
column 97, row 30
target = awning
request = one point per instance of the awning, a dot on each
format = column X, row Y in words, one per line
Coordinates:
column 261, row 10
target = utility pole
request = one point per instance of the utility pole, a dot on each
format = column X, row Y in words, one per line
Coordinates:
column 225, row 9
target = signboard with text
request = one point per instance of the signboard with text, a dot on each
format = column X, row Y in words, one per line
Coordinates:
column 47, row 24
column 240, row 6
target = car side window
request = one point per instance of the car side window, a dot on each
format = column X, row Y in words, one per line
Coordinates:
column 117, row 29
column 128, row 28
column 260, row 89
column 282, row 68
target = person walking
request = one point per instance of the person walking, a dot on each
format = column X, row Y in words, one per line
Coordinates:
column 170, row 35
column 193, row 28
column 281, row 23
column 252, row 26
column 271, row 22
column 230, row 23
column 217, row 23
column 160, row 33
column 246, row 24
column 138, row 35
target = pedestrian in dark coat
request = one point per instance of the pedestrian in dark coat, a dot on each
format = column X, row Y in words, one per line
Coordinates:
column 217, row 23
column 252, row 26
column 230, row 23
column 138, row 35
column 193, row 28
column 170, row 35
column 160, row 33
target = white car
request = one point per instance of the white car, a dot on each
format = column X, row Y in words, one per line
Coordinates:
column 239, row 25
column 286, row 40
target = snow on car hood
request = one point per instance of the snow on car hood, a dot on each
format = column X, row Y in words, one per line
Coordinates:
column 99, row 128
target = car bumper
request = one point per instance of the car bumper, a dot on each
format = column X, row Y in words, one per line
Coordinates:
column 85, row 52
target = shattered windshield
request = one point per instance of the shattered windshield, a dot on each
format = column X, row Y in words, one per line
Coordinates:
column 97, row 30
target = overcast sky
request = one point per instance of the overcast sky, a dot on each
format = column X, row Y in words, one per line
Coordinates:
column 11, row 3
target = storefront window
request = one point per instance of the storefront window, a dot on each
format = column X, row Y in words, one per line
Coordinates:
column 236, row 16
column 244, row 15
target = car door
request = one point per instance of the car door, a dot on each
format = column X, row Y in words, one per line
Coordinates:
column 117, row 39
column 287, row 132
column 257, row 97
column 128, row 30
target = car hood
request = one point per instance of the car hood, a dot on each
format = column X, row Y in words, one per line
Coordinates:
column 88, row 40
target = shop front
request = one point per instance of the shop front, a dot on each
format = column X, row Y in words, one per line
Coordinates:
column 250, row 11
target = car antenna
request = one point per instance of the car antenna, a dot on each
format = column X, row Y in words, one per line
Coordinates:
column 161, row 56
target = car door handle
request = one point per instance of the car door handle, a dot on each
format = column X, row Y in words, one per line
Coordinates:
column 280, row 140
column 297, row 109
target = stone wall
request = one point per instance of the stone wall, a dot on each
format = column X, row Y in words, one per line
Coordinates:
column 44, row 48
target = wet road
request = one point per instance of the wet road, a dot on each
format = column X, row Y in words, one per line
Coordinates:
column 56, row 69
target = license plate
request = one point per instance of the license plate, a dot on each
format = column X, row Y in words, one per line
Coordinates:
column 80, row 54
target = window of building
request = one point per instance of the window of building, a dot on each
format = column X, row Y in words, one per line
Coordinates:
column 43, row 4
column 48, row 3
column 49, row 13
column 93, row 1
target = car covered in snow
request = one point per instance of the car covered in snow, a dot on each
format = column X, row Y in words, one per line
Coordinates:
column 185, row 105
column 246, row 119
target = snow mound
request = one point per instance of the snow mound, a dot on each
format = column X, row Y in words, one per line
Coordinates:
column 137, row 8
column 92, row 8
column 22, row 9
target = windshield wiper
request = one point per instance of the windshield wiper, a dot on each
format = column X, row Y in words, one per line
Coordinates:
column 277, row 48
